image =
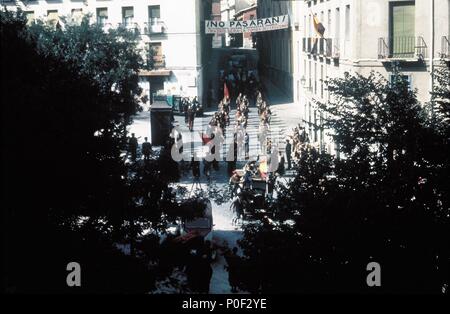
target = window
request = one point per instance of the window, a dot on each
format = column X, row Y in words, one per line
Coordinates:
column 315, row 126
column 77, row 14
column 337, row 30
column 154, row 14
column 102, row 16
column 52, row 16
column 310, row 31
column 329, row 22
column 407, row 77
column 347, row 22
column 315, row 78
column 158, row 57
column 402, row 30
column 321, row 81
column 127, row 15
column 30, row 17
column 304, row 26
column 309, row 76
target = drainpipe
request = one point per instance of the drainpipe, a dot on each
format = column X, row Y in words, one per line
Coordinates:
column 432, row 57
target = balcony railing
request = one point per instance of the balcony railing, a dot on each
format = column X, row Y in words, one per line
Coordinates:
column 159, row 61
column 332, row 48
column 155, row 27
column 130, row 26
column 328, row 47
column 402, row 48
column 321, row 46
column 445, row 47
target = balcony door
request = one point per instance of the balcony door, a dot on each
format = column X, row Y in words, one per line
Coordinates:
column 154, row 14
column 402, row 29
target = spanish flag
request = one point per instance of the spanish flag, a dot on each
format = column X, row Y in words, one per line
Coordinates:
column 318, row 26
column 320, row 30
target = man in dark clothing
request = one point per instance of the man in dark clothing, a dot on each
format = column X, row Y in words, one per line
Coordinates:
column 281, row 167
column 195, row 165
column 146, row 149
column 186, row 110
column 207, row 168
column 288, row 153
column 133, row 145
column 271, row 179
column 205, row 273
column 191, row 117
column 233, row 261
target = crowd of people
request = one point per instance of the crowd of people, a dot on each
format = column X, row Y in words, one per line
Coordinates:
column 297, row 141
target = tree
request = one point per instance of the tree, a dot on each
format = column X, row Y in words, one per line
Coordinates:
column 386, row 201
column 68, row 193
column 113, row 58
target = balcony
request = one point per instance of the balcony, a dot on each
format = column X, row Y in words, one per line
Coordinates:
column 131, row 26
column 445, row 47
column 321, row 46
column 155, row 27
column 327, row 47
column 309, row 45
column 159, row 62
column 333, row 48
column 405, row 48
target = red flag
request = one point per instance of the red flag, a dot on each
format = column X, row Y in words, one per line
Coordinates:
column 205, row 138
column 226, row 93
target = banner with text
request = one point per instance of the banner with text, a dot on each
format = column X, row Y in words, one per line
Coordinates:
column 247, row 26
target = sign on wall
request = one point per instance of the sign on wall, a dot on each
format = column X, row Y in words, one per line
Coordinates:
column 247, row 26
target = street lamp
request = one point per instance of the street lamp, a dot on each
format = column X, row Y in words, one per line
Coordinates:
column 303, row 82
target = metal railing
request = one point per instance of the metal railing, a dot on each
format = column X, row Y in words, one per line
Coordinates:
column 159, row 61
column 145, row 29
column 402, row 48
column 130, row 26
column 154, row 27
column 321, row 46
column 445, row 47
column 328, row 47
column 332, row 48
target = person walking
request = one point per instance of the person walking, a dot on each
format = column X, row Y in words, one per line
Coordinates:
column 195, row 165
column 205, row 273
column 207, row 169
column 288, row 153
column 133, row 145
column 191, row 117
column 281, row 165
column 146, row 149
column 186, row 110
column 233, row 261
column 234, row 183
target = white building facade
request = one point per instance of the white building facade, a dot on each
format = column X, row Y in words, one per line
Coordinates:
column 171, row 28
column 276, row 47
column 227, row 12
column 361, row 36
